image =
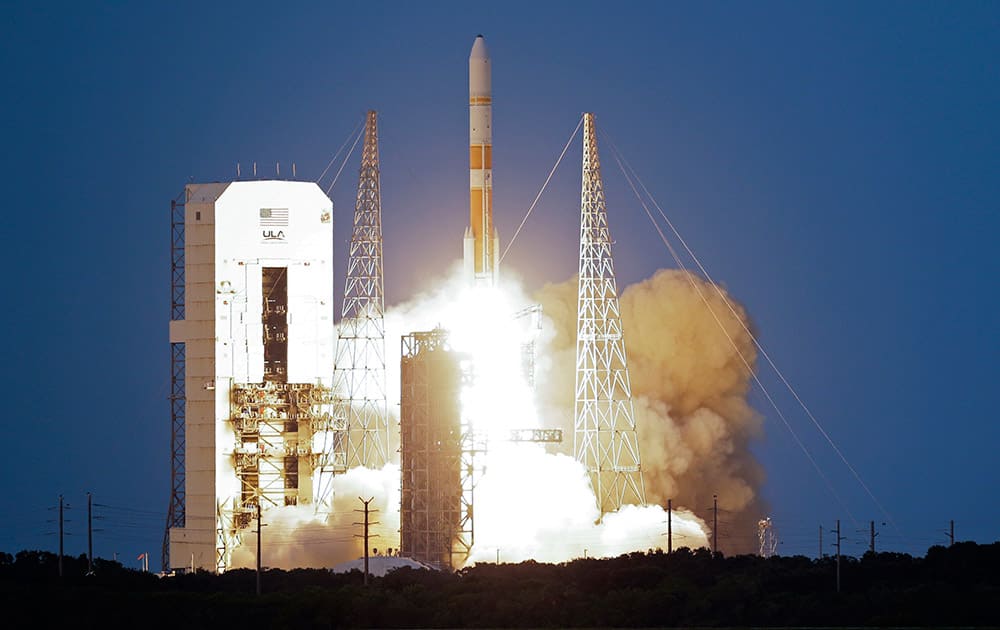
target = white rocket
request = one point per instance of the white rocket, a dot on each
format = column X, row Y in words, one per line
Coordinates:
column 482, row 243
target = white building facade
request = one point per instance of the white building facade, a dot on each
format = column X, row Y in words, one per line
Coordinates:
column 259, row 342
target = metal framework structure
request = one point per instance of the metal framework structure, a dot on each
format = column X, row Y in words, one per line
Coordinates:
column 440, row 453
column 604, row 439
column 552, row 436
column 533, row 316
column 767, row 538
column 359, row 371
column 274, row 424
column 178, row 396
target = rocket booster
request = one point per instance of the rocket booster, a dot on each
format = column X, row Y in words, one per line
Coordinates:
column 482, row 243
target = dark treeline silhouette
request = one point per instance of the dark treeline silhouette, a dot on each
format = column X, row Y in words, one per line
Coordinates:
column 954, row 586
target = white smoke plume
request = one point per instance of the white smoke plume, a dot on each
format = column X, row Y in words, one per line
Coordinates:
column 296, row 537
column 539, row 506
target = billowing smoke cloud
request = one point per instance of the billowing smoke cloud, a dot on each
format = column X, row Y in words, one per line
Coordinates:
column 690, row 387
column 538, row 505
column 530, row 503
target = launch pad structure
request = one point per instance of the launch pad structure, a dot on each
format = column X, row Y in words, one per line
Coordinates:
column 266, row 411
column 257, row 420
column 439, row 452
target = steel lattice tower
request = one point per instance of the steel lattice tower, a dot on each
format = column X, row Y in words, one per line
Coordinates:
column 767, row 538
column 359, row 372
column 604, row 439
column 178, row 397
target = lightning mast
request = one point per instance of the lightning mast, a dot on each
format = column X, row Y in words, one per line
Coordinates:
column 604, row 439
column 359, row 371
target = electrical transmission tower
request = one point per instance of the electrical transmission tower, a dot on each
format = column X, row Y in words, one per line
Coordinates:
column 767, row 539
column 604, row 439
column 359, row 372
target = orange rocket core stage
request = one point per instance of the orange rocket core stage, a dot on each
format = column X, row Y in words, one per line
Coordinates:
column 480, row 156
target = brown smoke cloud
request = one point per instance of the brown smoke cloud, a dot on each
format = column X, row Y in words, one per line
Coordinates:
column 689, row 385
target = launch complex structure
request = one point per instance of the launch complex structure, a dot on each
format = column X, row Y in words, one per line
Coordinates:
column 270, row 400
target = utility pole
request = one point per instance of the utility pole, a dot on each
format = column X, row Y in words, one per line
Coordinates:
column 820, row 556
column 365, row 536
column 60, row 535
column 670, row 526
column 715, row 524
column 951, row 533
column 872, row 535
column 838, row 554
column 258, row 547
column 90, row 535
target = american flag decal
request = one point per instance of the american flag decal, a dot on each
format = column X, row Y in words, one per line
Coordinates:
column 274, row 217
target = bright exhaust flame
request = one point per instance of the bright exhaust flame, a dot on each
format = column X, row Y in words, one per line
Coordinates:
column 482, row 327
column 529, row 504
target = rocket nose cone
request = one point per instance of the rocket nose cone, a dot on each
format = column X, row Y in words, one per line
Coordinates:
column 479, row 50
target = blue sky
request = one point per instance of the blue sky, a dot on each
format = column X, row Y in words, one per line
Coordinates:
column 835, row 165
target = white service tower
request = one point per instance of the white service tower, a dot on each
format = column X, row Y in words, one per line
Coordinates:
column 259, row 336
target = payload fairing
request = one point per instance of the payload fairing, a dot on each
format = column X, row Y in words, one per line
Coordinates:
column 482, row 243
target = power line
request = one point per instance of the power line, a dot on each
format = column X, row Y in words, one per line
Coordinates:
column 539, row 195
column 344, row 163
column 621, row 164
column 759, row 346
column 335, row 155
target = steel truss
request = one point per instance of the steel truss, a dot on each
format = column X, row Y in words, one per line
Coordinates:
column 536, row 435
column 604, row 439
column 767, row 538
column 359, row 371
column 441, row 454
column 274, row 425
column 178, row 395
column 533, row 315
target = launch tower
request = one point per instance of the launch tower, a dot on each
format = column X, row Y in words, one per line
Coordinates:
column 437, row 453
column 359, row 373
column 604, row 439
